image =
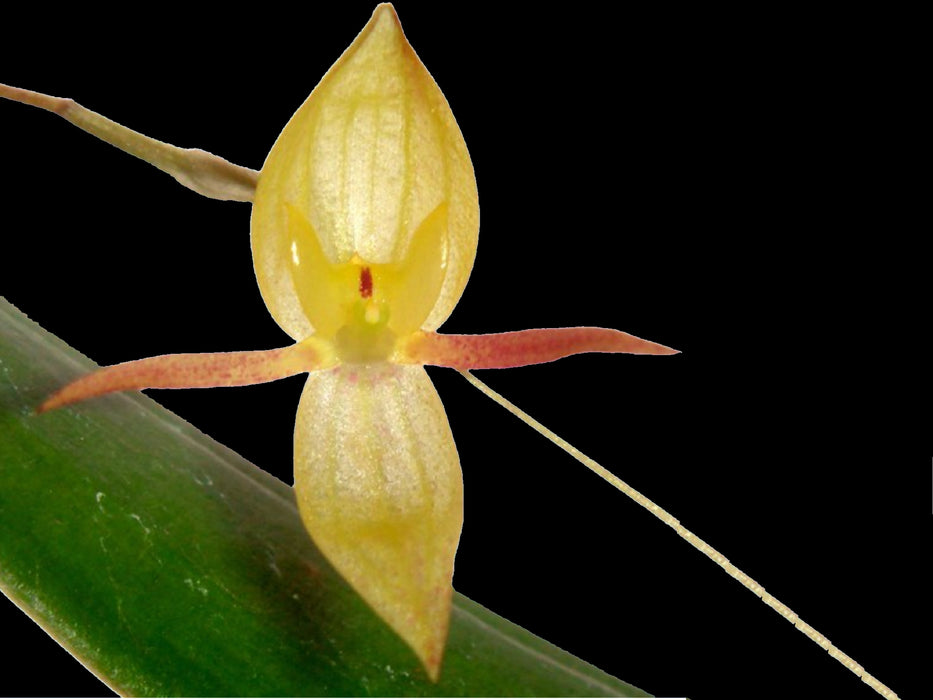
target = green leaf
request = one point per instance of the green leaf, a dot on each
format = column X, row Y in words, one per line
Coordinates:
column 170, row 566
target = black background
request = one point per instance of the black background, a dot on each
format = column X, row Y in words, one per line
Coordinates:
column 652, row 171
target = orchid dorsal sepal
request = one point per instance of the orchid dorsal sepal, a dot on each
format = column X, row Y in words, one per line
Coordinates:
column 196, row 370
column 520, row 348
column 196, row 169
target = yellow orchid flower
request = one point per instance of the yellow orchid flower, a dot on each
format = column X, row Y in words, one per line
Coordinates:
column 364, row 231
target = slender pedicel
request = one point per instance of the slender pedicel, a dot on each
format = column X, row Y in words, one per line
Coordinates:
column 669, row 520
column 198, row 170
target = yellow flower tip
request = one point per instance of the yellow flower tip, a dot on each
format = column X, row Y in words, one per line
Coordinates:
column 384, row 27
column 432, row 655
column 385, row 16
column 397, row 565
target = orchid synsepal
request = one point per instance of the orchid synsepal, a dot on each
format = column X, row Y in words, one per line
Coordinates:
column 520, row 348
column 379, row 488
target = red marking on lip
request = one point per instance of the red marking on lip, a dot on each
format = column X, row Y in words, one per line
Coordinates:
column 366, row 283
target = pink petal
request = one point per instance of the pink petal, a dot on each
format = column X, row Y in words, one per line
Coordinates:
column 518, row 348
column 190, row 371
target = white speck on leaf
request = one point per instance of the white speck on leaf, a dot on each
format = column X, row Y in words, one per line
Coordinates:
column 195, row 585
column 139, row 520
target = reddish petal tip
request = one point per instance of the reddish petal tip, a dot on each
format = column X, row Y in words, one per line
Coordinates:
column 51, row 403
column 517, row 348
